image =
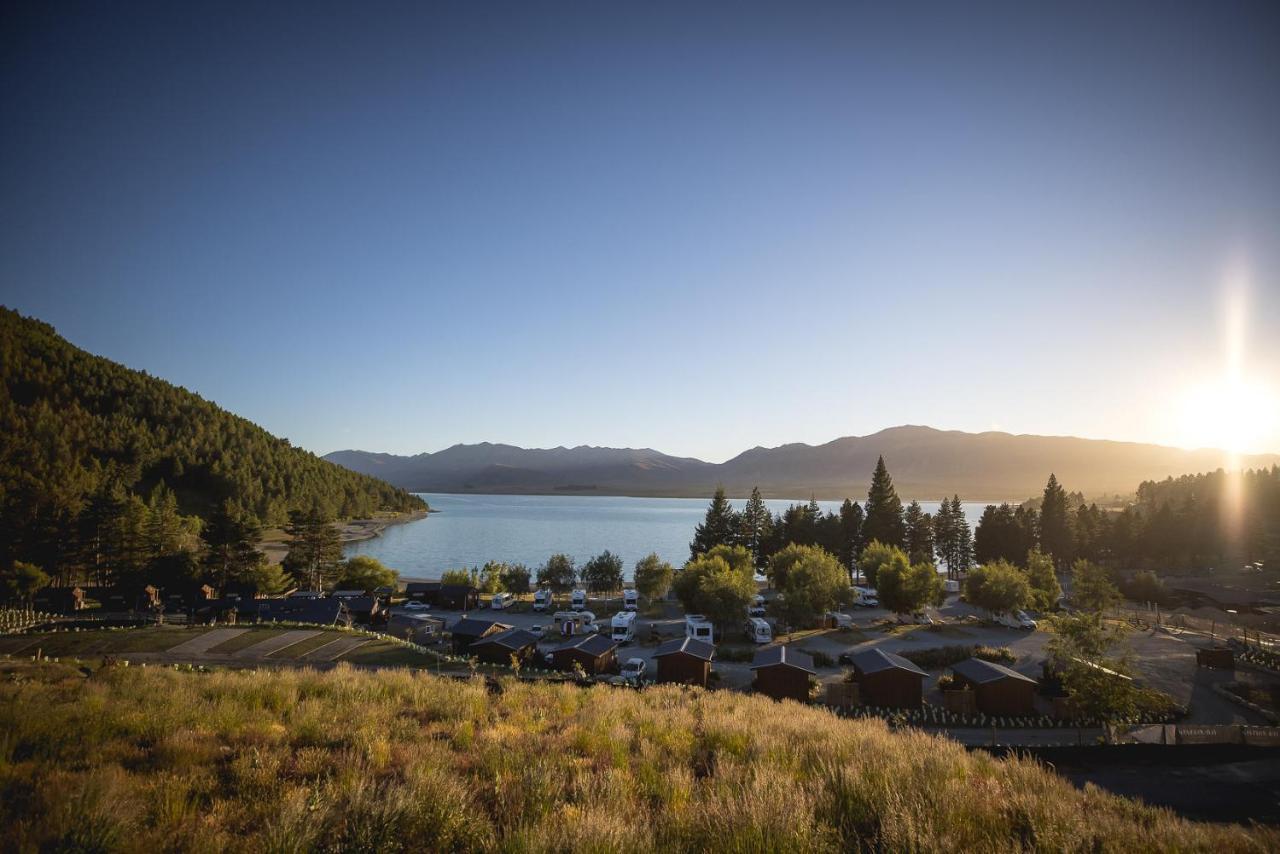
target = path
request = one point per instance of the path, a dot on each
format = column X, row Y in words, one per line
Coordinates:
column 205, row 642
column 334, row 649
column 274, row 644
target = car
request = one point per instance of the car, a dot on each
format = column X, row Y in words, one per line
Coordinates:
column 538, row 632
column 633, row 670
column 415, row 606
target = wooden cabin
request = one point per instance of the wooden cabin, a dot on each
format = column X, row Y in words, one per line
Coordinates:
column 685, row 661
column 596, row 653
column 783, row 673
column 998, row 690
column 498, row 648
column 888, row 681
column 468, row 630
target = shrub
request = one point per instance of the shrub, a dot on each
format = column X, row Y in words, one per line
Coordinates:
column 937, row 657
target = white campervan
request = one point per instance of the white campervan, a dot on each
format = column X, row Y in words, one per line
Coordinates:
column 866, row 597
column 578, row 600
column 630, row 599
column 758, row 631
column 575, row 622
column 502, row 601
column 623, row 626
column 542, row 600
column 757, row 607
column 698, row 627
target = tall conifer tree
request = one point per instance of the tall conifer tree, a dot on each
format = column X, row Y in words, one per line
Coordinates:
column 884, row 511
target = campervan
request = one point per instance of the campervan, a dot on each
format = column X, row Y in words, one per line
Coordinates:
column 951, row 585
column 578, row 600
column 630, row 599
column 502, row 601
column 866, row 597
column 542, row 600
column 624, row 626
column 1016, row 620
column 758, row 631
column 757, row 607
column 569, row 623
column 698, row 627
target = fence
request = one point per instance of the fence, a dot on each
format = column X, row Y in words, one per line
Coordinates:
column 1175, row 623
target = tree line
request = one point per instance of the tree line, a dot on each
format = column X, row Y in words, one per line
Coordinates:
column 108, row 473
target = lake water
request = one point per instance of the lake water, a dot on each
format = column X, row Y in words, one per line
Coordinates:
column 471, row 530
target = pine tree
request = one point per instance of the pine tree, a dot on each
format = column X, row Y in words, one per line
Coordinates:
column 851, row 519
column 883, row 521
column 1055, row 526
column 718, row 529
column 963, row 542
column 919, row 533
column 754, row 527
column 230, row 538
column 314, row 548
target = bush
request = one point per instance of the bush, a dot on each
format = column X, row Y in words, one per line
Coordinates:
column 820, row 658
column 936, row 657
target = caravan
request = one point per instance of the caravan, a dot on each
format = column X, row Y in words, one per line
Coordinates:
column 630, row 599
column 624, row 626
column 542, row 600
column 758, row 631
column 578, row 600
column 698, row 627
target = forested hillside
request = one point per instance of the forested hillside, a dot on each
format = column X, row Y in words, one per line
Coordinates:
column 82, row 434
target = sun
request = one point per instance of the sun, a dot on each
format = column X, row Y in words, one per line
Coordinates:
column 1238, row 415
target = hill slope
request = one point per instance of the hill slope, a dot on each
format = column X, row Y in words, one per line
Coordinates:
column 925, row 463
column 74, row 423
column 348, row 760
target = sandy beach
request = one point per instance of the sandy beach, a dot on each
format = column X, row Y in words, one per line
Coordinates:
column 274, row 542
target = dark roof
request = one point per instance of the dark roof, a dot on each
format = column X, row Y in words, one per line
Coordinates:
column 511, row 639
column 459, row 588
column 475, row 627
column 360, row 603
column 296, row 610
column 772, row 656
column 981, row 672
column 421, row 586
column 591, row 644
column 875, row 660
column 687, row 645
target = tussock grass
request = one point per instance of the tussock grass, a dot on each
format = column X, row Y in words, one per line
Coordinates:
column 150, row 759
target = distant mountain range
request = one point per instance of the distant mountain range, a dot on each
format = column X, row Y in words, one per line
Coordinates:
column 925, row 464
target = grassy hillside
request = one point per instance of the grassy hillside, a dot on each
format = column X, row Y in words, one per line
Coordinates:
column 77, row 425
column 134, row 759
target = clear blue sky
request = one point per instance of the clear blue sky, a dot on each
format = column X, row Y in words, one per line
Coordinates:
column 383, row 227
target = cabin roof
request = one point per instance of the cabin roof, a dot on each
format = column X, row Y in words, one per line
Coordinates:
column 511, row 639
column 774, row 656
column 688, row 646
column 475, row 627
column 877, row 660
column 596, row 644
column 981, row 672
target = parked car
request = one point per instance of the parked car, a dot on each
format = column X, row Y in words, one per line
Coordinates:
column 633, row 670
column 415, row 606
column 836, row 620
column 538, row 632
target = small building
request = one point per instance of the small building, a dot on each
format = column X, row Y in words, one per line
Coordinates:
column 498, row 648
column 419, row 628
column 783, row 673
column 684, row 660
column 596, row 653
column 887, row 681
column 422, row 591
column 458, row 597
column 997, row 689
column 363, row 609
column 468, row 630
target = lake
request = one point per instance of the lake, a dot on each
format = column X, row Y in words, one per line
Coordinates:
column 471, row 530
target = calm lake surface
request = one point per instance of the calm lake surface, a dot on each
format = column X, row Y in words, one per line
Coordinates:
column 473, row 529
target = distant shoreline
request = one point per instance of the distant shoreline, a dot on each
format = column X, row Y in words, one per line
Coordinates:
column 350, row 531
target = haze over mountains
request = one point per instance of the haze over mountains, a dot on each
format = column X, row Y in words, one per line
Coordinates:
column 925, row 463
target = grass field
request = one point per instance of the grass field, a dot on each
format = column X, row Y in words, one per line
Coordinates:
column 94, row 642
column 137, row 759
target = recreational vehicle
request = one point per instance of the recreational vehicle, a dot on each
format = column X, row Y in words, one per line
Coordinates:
column 630, row 599
column 758, row 631
column 698, row 627
column 542, row 600
column 624, row 626
column 578, row 600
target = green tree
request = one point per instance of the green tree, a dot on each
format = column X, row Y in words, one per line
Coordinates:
column 719, row 528
column 1055, row 523
column 754, row 526
column 489, row 579
column 363, row 572
column 558, row 574
column 653, row 577
column 603, row 573
column 458, row 577
column 709, row 585
column 850, row 547
column 953, row 541
column 883, row 515
column 1082, row 650
column 1145, row 586
column 813, row 583
column 515, row 578
column 314, row 548
column 919, row 533
column 906, row 588
column 1092, row 588
column 230, row 540
column 874, row 556
column 999, row 587
column 266, row 578
column 1045, row 589
column 21, row 581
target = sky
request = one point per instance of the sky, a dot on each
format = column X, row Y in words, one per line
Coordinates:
column 396, row 227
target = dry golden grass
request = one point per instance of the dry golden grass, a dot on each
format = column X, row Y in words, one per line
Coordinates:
column 133, row 759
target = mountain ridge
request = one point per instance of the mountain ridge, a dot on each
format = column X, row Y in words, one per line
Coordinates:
column 926, row 463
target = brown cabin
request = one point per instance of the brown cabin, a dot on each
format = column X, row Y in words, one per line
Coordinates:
column 888, row 681
column 468, row 630
column 783, row 673
column 997, row 689
column 596, row 653
column 685, row 660
column 498, row 648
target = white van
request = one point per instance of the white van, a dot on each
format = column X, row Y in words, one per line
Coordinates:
column 630, row 599
column 698, row 627
column 756, row 609
column 758, row 631
column 1016, row 620
column 623, row 625
column 542, row 600
column 502, row 601
column 578, row 600
column 865, row 597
